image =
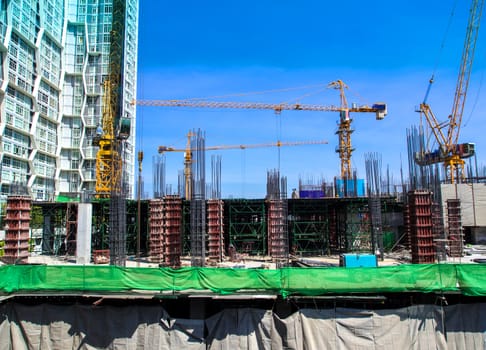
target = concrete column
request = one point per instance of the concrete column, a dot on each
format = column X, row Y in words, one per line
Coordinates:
column 83, row 239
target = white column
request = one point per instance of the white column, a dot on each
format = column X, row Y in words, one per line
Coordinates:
column 83, row 239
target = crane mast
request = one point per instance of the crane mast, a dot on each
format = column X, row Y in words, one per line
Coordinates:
column 446, row 133
column 114, row 128
column 344, row 131
column 108, row 160
column 187, row 167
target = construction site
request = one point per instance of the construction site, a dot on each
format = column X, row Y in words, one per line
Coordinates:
column 354, row 262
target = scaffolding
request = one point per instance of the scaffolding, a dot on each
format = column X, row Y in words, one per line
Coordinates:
column 101, row 212
column 407, row 242
column 71, row 228
column 246, row 222
column 315, row 227
column 309, row 222
column 102, row 221
column 438, row 232
column 132, row 226
column 334, row 241
column 53, row 226
column 354, row 226
column 186, row 226
column 454, row 227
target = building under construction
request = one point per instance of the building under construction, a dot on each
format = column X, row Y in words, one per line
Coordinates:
column 347, row 263
column 277, row 265
column 318, row 220
column 283, row 259
column 252, row 228
column 215, row 272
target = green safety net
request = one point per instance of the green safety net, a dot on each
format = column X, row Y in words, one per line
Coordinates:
column 66, row 199
column 468, row 279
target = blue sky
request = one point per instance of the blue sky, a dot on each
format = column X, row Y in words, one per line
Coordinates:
column 385, row 51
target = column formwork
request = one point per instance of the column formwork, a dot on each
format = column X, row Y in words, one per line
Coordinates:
column 17, row 228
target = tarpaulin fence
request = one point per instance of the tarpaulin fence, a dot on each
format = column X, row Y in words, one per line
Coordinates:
column 468, row 279
column 132, row 326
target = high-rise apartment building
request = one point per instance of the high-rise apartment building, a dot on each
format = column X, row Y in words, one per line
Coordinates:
column 55, row 55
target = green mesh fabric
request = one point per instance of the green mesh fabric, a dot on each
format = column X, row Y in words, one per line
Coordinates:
column 468, row 279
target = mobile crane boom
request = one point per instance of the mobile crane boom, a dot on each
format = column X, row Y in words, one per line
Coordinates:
column 446, row 133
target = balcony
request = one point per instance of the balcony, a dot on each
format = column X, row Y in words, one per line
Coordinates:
column 90, row 152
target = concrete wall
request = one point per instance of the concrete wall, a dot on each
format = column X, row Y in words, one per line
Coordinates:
column 473, row 202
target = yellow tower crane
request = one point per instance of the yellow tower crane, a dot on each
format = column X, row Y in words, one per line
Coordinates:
column 344, row 149
column 114, row 127
column 109, row 164
column 344, row 131
column 108, row 160
column 446, row 133
column 188, row 154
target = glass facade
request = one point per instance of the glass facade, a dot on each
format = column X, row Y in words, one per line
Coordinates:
column 55, row 54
